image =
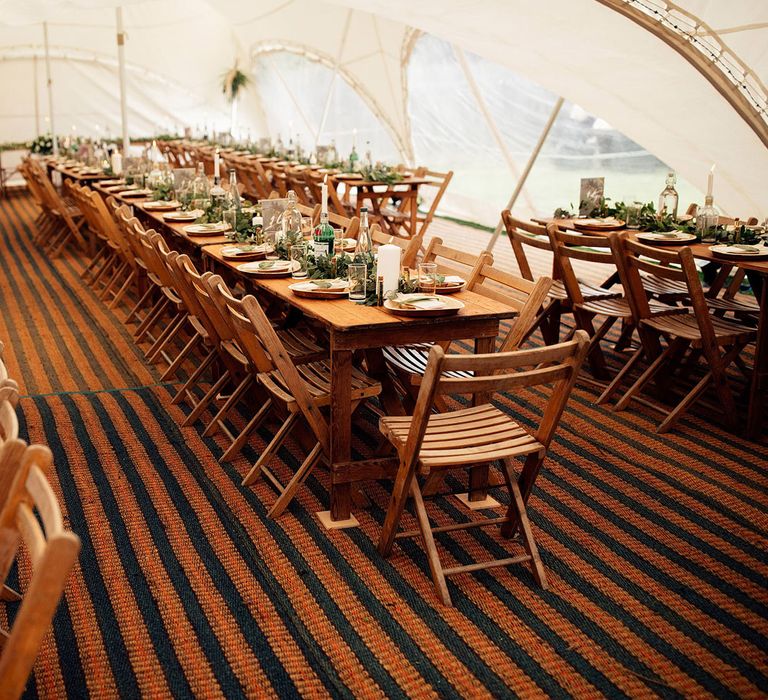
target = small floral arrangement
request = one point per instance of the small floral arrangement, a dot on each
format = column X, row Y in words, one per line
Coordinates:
column 42, row 145
column 163, row 192
column 381, row 172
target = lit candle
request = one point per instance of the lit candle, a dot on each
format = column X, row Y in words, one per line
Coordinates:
column 388, row 266
column 216, row 172
column 324, row 198
column 117, row 162
column 710, row 180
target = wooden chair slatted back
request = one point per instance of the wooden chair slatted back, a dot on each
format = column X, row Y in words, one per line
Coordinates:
column 231, row 309
column 409, row 246
column 447, row 258
column 526, row 233
column 568, row 246
column 440, row 182
column 218, row 327
column 52, row 552
column 522, row 294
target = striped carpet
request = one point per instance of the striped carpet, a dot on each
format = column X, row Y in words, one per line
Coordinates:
column 655, row 546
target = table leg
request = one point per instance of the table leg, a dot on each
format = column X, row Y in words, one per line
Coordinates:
column 414, row 199
column 341, row 429
column 478, row 476
column 377, row 369
column 760, row 371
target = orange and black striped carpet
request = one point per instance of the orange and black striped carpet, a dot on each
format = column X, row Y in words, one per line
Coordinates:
column 655, row 546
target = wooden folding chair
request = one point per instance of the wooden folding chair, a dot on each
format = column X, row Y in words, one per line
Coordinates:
column 526, row 234
column 300, row 391
column 31, row 515
column 595, row 249
column 409, row 246
column 429, row 443
column 719, row 342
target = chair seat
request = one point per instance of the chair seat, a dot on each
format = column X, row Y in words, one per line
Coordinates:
column 658, row 286
column 619, row 308
column 588, row 291
column 413, row 359
column 300, row 347
column 685, row 326
column 739, row 307
column 466, row 437
column 317, row 379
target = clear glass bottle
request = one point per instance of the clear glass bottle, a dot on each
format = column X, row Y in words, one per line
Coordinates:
column 201, row 190
column 232, row 198
column 706, row 221
column 364, row 245
column 368, row 156
column 290, row 219
column 668, row 198
column 332, row 154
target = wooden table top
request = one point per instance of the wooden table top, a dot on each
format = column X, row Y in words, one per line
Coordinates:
column 344, row 315
column 699, row 250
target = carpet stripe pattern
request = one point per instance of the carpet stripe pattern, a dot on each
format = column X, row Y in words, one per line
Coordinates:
column 655, row 546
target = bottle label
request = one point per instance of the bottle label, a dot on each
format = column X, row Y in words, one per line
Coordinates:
column 322, row 247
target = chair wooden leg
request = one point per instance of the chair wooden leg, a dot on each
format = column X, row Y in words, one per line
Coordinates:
column 234, row 397
column 611, row 389
column 292, row 486
column 395, row 510
column 275, row 444
column 198, row 410
column 643, row 379
column 150, row 319
column 123, row 289
column 174, row 366
column 435, row 567
column 182, row 392
column 133, row 313
column 239, row 442
column 681, row 408
column 167, row 336
column 518, row 509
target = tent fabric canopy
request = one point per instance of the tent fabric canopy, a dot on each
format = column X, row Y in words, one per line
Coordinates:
column 585, row 51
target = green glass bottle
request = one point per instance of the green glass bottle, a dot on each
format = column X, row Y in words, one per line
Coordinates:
column 322, row 237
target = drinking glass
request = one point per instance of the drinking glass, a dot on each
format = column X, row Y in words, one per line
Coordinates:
column 338, row 241
column 633, row 215
column 269, row 243
column 229, row 216
column 357, row 275
column 427, row 278
column 298, row 255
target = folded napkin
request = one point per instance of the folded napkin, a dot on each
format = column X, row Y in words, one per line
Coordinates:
column 743, row 249
column 418, row 301
column 328, row 285
column 453, row 279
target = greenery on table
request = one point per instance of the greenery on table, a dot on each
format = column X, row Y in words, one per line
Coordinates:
column 285, row 243
column 163, row 192
column 42, row 145
column 648, row 218
column 245, row 231
column 14, row 146
column 380, row 172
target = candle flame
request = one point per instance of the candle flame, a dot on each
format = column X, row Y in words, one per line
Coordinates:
column 712, row 169
column 325, row 179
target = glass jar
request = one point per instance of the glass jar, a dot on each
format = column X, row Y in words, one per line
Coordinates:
column 706, row 222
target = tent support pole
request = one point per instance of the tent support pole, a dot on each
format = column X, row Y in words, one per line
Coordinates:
column 49, row 83
column 121, row 72
column 487, row 114
column 37, row 96
column 293, row 99
column 529, row 166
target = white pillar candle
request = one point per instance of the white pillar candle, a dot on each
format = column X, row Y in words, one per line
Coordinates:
column 117, row 163
column 216, row 172
column 710, row 180
column 324, row 199
column 388, row 266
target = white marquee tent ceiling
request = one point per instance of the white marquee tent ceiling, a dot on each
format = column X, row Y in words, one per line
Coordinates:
column 580, row 49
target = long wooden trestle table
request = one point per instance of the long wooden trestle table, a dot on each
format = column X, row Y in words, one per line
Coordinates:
column 352, row 328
